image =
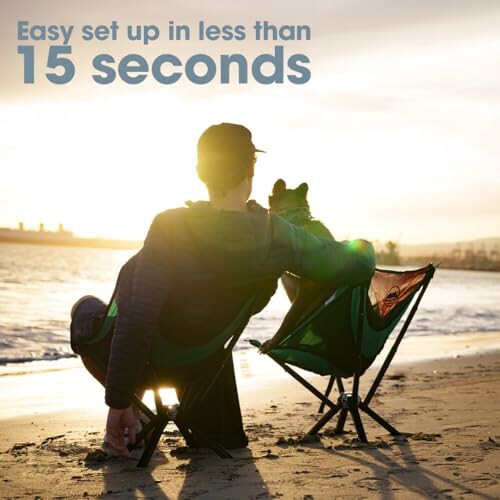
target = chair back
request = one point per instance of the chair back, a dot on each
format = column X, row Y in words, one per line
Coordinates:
column 166, row 354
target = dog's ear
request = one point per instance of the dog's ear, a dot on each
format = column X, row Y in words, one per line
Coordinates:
column 279, row 186
column 303, row 188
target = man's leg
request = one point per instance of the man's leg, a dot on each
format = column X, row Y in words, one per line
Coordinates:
column 94, row 369
column 218, row 416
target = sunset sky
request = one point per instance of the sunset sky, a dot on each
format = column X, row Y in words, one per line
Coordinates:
column 397, row 132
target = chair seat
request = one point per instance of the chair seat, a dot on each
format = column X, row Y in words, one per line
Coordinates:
column 306, row 361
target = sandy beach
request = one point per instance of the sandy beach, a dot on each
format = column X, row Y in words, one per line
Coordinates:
column 447, row 409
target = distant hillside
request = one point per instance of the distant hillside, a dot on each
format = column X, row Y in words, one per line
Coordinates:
column 428, row 249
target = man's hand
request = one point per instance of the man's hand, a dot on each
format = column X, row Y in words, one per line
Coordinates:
column 118, row 421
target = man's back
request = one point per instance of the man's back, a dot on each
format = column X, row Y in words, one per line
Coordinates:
column 214, row 262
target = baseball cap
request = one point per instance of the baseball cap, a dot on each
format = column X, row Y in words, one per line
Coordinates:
column 226, row 138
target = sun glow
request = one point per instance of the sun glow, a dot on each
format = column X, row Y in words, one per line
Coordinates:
column 92, row 169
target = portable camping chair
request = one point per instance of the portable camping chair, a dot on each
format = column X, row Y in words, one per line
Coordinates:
column 343, row 335
column 167, row 357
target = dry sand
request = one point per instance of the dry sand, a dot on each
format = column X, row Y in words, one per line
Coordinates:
column 448, row 410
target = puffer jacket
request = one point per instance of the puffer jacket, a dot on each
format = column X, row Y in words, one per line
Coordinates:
column 199, row 265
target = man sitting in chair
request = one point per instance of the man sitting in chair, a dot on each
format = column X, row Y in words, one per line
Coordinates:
column 201, row 262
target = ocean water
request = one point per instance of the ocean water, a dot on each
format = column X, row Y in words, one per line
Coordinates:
column 39, row 284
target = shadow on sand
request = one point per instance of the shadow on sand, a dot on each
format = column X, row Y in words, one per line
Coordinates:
column 204, row 473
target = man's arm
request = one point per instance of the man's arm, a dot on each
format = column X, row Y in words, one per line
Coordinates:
column 325, row 260
column 136, row 324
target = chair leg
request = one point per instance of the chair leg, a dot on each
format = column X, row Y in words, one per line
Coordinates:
column 356, row 417
column 323, row 420
column 185, row 432
column 339, row 429
column 213, row 445
column 142, row 407
column 380, row 420
column 153, row 441
column 327, row 393
column 146, row 429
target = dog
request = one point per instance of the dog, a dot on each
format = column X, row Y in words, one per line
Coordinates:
column 304, row 294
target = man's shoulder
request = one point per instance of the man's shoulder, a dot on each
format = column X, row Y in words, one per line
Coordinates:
column 162, row 225
column 168, row 215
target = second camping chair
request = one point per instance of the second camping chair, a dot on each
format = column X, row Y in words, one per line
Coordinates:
column 342, row 337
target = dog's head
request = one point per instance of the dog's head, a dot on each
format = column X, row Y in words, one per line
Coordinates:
column 290, row 204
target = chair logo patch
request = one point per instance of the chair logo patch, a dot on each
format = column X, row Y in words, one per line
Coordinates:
column 392, row 296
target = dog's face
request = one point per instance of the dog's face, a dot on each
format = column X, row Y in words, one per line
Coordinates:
column 290, row 203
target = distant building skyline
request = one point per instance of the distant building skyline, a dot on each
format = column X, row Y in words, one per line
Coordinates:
column 41, row 227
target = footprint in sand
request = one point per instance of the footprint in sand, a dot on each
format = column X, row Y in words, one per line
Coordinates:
column 421, row 436
column 20, row 449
